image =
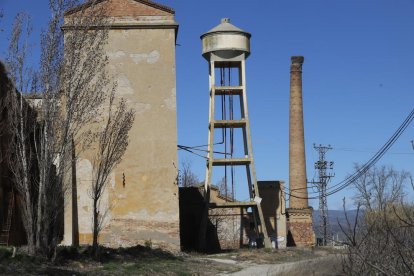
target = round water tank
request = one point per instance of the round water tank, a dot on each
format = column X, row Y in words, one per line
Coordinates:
column 226, row 40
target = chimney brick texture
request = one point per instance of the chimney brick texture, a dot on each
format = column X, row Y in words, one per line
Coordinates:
column 297, row 164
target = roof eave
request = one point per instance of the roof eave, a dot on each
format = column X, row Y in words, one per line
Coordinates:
column 226, row 32
column 147, row 2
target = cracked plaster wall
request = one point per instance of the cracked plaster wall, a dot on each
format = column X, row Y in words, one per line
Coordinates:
column 144, row 194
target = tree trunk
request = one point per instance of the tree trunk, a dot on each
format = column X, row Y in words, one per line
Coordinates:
column 31, row 248
column 95, row 228
column 29, row 226
column 31, row 237
column 39, row 216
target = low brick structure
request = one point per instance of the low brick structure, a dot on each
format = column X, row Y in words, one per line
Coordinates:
column 299, row 223
column 231, row 228
column 225, row 227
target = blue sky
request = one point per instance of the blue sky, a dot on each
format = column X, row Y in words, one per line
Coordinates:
column 358, row 83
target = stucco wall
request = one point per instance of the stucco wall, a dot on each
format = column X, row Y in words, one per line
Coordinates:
column 143, row 194
column 274, row 213
column 142, row 61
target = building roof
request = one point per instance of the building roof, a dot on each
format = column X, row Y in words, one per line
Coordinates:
column 224, row 27
column 145, row 2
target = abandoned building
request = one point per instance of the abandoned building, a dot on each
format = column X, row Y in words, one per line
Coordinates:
column 231, row 228
column 143, row 194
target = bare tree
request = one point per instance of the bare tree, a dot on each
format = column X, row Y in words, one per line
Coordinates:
column 73, row 84
column 187, row 177
column 381, row 239
column 225, row 189
column 379, row 187
column 20, row 123
column 112, row 144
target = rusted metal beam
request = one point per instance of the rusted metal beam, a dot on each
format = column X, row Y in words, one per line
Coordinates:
column 229, row 123
column 231, row 161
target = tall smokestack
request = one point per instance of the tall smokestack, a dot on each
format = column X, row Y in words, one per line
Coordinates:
column 299, row 214
column 297, row 163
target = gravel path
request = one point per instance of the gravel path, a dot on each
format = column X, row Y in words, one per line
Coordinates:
column 327, row 265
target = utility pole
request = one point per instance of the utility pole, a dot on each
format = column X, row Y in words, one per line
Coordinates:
column 323, row 178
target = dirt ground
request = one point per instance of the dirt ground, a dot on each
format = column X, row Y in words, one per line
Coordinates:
column 146, row 261
column 290, row 261
column 324, row 265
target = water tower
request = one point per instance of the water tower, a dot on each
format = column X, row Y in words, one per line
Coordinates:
column 226, row 48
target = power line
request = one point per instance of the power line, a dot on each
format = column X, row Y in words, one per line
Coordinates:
column 190, row 151
column 367, row 151
column 371, row 162
column 349, row 179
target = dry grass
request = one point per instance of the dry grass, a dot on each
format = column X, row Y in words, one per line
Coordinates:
column 142, row 260
column 137, row 260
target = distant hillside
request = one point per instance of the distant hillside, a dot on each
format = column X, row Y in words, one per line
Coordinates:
column 335, row 217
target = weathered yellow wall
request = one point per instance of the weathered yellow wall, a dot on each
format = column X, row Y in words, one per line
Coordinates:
column 274, row 210
column 143, row 63
column 142, row 195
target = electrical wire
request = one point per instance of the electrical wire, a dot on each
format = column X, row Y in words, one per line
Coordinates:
column 369, row 151
column 187, row 149
column 353, row 177
column 181, row 147
column 369, row 164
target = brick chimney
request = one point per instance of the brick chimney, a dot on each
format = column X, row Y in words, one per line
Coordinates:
column 299, row 214
column 297, row 163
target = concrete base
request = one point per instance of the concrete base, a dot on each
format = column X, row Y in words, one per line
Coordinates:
column 299, row 224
